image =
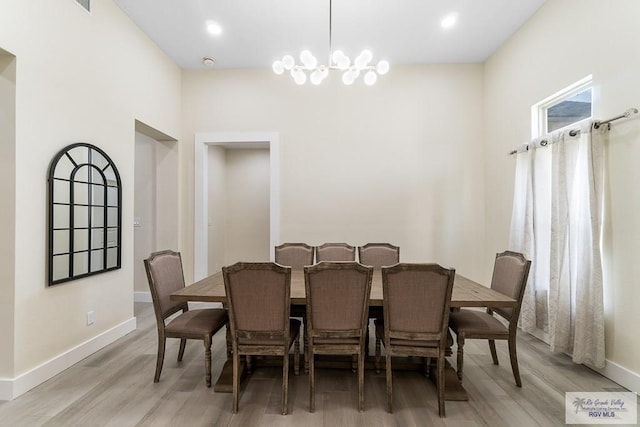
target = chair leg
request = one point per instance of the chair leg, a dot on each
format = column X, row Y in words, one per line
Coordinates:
column 229, row 344
column 492, row 348
column 312, row 382
column 389, row 380
column 441, row 383
column 160, row 359
column 427, row 366
column 378, row 351
column 236, row 380
column 207, row 359
column 296, row 356
column 460, row 356
column 514, row 361
column 361, row 381
column 249, row 364
column 305, row 344
column 183, row 344
column 285, row 380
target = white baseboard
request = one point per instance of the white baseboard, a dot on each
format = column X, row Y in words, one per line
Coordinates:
column 142, row 297
column 623, row 376
column 10, row 388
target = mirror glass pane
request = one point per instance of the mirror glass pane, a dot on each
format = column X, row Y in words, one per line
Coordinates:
column 80, row 263
column 97, row 238
column 60, row 191
column 97, row 195
column 60, row 267
column 98, row 159
column 63, row 168
column 112, row 257
column 112, row 196
column 80, row 216
column 97, row 261
column 82, row 173
column 97, row 217
column 110, row 176
column 96, row 177
column 60, row 242
column 61, row 216
column 80, row 240
column 112, row 217
column 80, row 193
column 112, row 237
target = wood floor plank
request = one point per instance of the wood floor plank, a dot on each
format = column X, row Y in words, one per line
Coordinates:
column 114, row 387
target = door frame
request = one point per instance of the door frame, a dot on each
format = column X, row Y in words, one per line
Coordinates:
column 270, row 140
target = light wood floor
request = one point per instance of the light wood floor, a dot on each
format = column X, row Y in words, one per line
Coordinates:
column 114, row 387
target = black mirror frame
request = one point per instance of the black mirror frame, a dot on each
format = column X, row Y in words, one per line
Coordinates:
column 104, row 229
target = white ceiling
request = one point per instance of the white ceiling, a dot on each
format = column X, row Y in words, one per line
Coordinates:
column 257, row 32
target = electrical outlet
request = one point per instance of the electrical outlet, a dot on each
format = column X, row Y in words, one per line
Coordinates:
column 91, row 317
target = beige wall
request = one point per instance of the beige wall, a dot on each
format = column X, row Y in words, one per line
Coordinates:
column 238, row 216
column 81, row 77
column 144, row 232
column 217, row 208
column 7, row 216
column 565, row 41
column 247, row 202
column 395, row 162
column 155, row 202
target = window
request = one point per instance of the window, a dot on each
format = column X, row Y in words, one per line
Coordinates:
column 563, row 108
column 85, row 214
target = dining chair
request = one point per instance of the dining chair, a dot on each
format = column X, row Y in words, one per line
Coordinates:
column 510, row 273
column 335, row 252
column 258, row 295
column 165, row 276
column 337, row 296
column 296, row 256
column 416, row 302
column 378, row 255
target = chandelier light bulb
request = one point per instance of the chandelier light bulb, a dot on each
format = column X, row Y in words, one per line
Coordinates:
column 309, row 61
column 316, row 77
column 278, row 67
column 288, row 62
column 383, row 67
column 336, row 56
column 355, row 72
column 343, row 63
column 300, row 77
column 348, row 78
column 370, row 78
column 366, row 55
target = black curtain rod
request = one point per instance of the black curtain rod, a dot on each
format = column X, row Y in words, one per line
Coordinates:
column 573, row 132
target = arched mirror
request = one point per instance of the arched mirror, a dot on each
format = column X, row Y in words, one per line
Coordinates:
column 85, row 213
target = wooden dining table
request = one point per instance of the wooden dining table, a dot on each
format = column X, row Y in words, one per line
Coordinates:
column 466, row 293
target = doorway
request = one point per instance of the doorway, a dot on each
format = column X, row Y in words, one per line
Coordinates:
column 202, row 190
column 155, row 217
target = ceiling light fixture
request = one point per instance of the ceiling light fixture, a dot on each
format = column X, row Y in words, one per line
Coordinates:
column 214, row 28
column 449, row 20
column 337, row 61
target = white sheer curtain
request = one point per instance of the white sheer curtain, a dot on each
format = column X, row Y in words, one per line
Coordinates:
column 557, row 222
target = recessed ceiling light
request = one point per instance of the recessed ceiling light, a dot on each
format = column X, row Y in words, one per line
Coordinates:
column 449, row 20
column 214, row 28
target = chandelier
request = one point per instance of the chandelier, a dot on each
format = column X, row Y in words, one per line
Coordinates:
column 337, row 61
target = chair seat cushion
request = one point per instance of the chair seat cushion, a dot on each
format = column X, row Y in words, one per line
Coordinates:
column 198, row 322
column 294, row 331
column 412, row 343
column 472, row 322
